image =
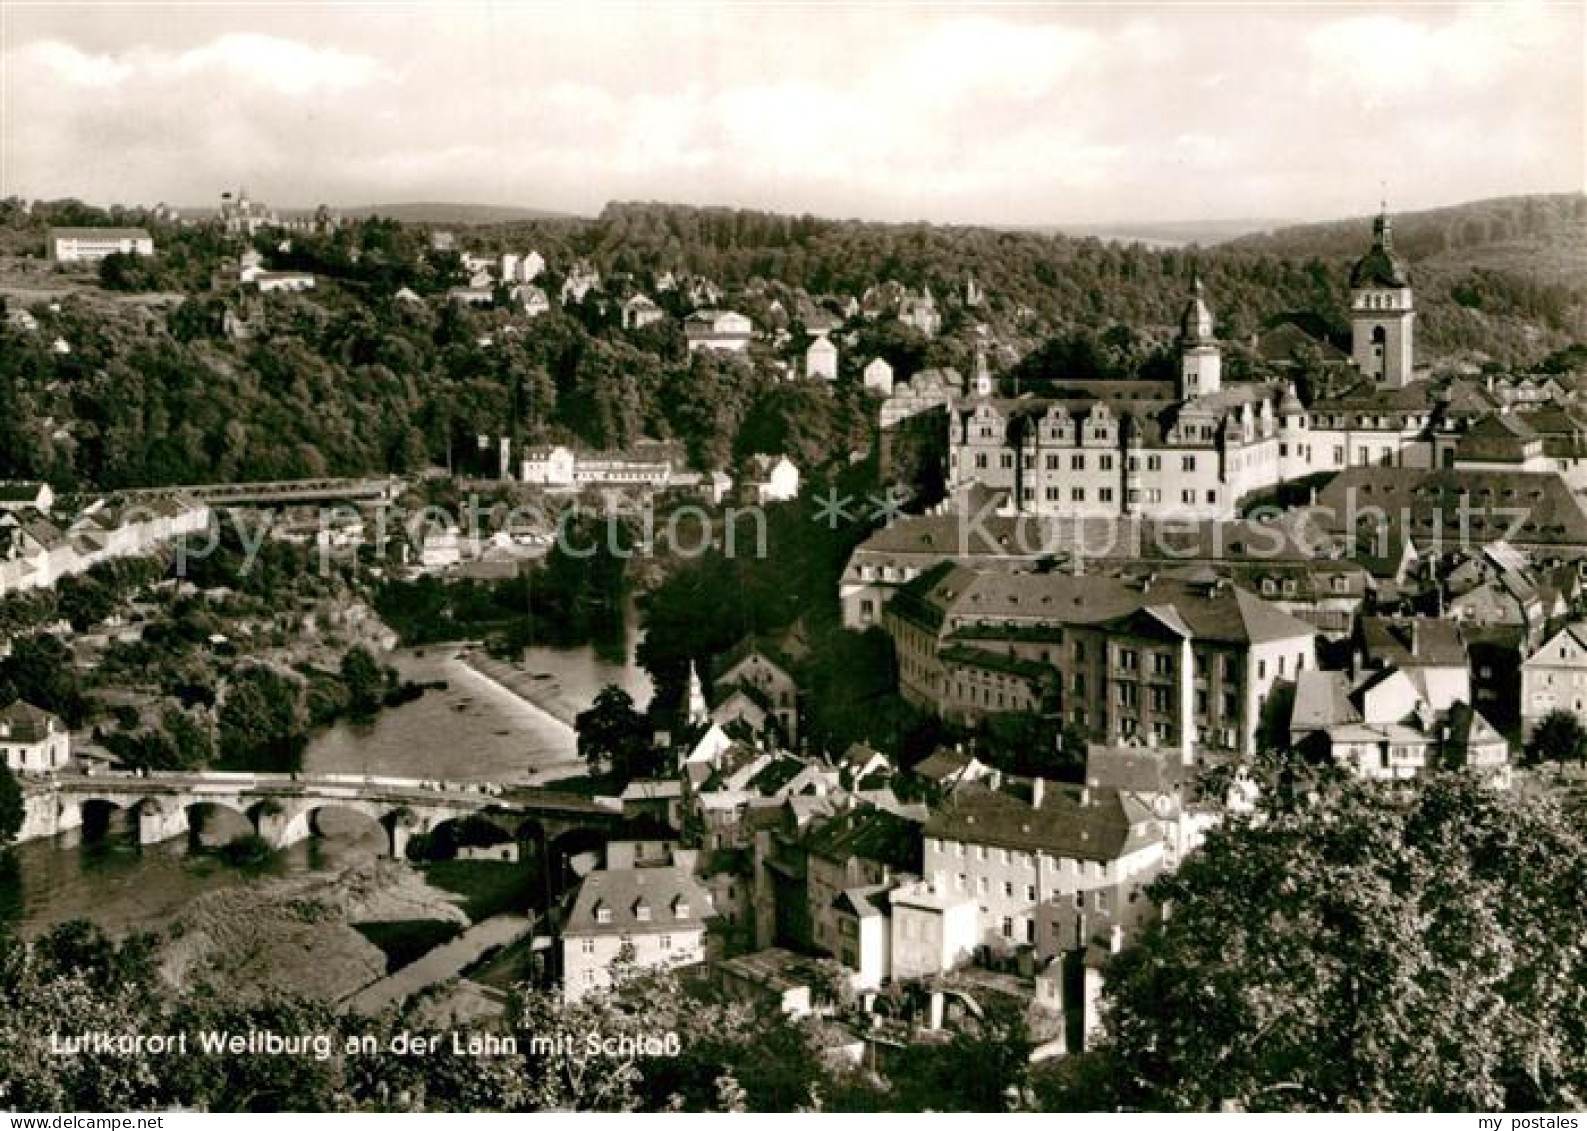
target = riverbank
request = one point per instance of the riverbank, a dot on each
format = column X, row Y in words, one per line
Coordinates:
column 541, row 690
column 544, row 694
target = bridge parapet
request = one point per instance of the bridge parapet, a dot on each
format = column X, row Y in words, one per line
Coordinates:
column 283, row 807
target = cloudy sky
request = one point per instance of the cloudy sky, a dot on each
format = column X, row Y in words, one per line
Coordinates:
column 1006, row 114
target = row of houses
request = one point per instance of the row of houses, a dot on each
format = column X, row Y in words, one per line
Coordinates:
column 39, row 545
column 803, row 858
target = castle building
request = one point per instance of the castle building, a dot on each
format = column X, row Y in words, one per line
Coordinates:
column 1195, row 447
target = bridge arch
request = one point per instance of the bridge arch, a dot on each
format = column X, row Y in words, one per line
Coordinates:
column 468, row 835
column 104, row 817
column 305, row 820
column 213, row 821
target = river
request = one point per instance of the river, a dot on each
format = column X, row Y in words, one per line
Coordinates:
column 473, row 730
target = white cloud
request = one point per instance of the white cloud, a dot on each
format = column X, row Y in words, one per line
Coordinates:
column 282, row 64
column 1018, row 115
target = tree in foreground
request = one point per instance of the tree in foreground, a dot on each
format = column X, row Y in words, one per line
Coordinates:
column 1369, row 950
column 1558, row 737
column 613, row 735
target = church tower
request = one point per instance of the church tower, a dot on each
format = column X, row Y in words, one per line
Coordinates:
column 699, row 713
column 1201, row 363
column 1381, row 312
column 983, row 372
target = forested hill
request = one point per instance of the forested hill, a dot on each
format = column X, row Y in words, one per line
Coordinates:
column 1494, row 277
column 1498, row 279
column 1543, row 238
column 167, row 369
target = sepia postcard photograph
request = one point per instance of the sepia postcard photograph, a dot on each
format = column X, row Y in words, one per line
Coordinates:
column 793, row 557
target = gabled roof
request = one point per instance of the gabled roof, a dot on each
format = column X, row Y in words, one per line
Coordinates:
column 1105, row 826
column 1322, row 700
column 1428, row 506
column 942, row 764
column 870, row 902
column 21, row 492
column 27, row 723
column 751, row 645
column 1134, row 769
column 1414, row 641
column 868, row 833
column 675, row 899
column 1575, row 632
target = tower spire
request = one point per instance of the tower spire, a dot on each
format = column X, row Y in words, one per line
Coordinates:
column 698, row 712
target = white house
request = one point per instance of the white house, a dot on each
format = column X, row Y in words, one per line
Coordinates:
column 774, row 479
column 268, row 281
column 658, row 914
column 935, row 929
column 534, row 300
column 32, row 740
column 639, row 312
column 718, row 330
column 549, row 465
column 821, row 360
column 879, row 377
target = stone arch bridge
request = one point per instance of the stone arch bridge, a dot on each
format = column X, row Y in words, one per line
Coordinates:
column 283, row 808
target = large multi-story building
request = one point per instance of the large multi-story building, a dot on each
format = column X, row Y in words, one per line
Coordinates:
column 1026, row 862
column 1196, row 446
column 1184, row 663
column 649, row 918
column 90, row 245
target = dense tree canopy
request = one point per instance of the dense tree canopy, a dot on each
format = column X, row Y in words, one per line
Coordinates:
column 1362, row 949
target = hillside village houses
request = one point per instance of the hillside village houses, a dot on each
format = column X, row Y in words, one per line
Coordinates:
column 772, row 478
column 802, row 856
column 581, row 279
column 723, row 330
column 38, row 547
column 821, row 360
column 878, row 377
column 640, row 311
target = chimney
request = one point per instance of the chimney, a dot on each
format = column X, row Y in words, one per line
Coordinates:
column 1116, row 939
column 1415, row 638
column 1038, row 791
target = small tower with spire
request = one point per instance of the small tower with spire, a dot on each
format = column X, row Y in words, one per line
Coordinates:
column 1382, row 313
column 699, row 714
column 1201, row 362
